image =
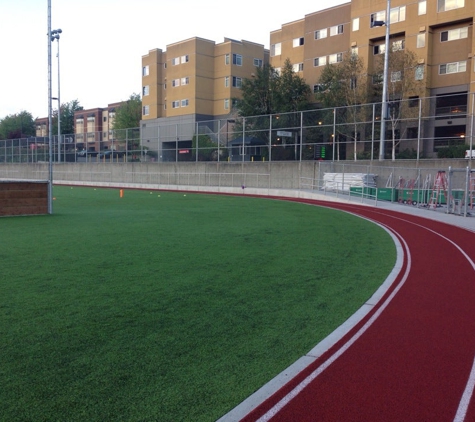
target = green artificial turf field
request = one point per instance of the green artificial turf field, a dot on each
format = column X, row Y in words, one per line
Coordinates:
column 162, row 306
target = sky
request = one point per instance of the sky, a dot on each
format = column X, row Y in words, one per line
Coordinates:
column 103, row 41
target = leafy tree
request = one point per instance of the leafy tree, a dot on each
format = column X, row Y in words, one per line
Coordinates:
column 404, row 79
column 258, row 93
column 19, row 125
column 293, row 94
column 270, row 92
column 129, row 113
column 207, row 149
column 345, row 85
column 67, row 117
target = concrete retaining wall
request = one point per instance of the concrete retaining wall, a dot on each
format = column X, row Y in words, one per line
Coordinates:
column 262, row 175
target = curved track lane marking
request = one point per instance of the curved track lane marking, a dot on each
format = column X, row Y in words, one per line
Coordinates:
column 363, row 212
column 283, row 402
column 470, row 386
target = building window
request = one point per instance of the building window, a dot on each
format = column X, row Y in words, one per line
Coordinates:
column 355, row 24
column 276, row 49
column 185, row 80
column 377, row 17
column 318, row 88
column 444, row 5
column 335, row 58
column 145, row 71
column 175, row 61
column 455, row 67
column 145, row 110
column 454, row 34
column 398, row 14
column 237, row 82
column 175, row 104
column 176, row 82
column 185, row 58
column 422, row 7
column 226, row 81
column 237, row 59
column 226, row 104
column 421, row 40
column 226, row 59
column 146, row 90
column 378, row 79
column 335, row 30
column 184, row 103
column 398, row 45
column 258, row 62
column 321, row 33
column 297, row 42
column 419, row 73
column 354, row 51
column 320, row 61
column 396, row 76
column 379, row 49
column 297, row 67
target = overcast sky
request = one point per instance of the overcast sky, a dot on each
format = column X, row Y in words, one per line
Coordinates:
column 103, row 42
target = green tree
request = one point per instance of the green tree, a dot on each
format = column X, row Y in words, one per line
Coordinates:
column 344, row 85
column 293, row 94
column 129, row 114
column 269, row 92
column 404, row 79
column 257, row 94
column 19, row 125
column 67, row 117
column 207, row 149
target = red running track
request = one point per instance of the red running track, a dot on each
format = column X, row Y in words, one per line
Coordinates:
column 411, row 357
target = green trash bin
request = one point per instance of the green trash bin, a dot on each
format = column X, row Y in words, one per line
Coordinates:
column 387, row 194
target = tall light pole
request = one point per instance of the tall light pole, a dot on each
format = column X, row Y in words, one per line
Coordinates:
column 50, row 135
column 384, row 100
column 55, row 36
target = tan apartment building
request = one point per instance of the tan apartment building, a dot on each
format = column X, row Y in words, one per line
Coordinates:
column 439, row 32
column 193, row 80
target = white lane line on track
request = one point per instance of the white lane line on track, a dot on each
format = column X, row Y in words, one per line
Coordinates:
column 470, row 386
column 285, row 400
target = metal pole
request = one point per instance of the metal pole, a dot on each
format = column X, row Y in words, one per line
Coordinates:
column 50, row 132
column 419, row 130
column 301, row 135
column 372, row 133
column 384, row 100
column 219, row 136
column 197, row 141
column 270, row 137
column 334, row 134
column 243, row 138
column 471, row 129
column 59, row 110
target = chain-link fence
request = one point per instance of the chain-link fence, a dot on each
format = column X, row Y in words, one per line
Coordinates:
column 415, row 128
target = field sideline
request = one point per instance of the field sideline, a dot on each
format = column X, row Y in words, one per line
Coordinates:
column 171, row 306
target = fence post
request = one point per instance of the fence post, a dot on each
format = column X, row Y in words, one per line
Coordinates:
column 270, row 137
column 419, row 129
